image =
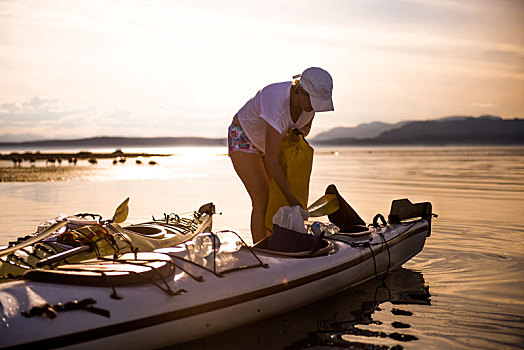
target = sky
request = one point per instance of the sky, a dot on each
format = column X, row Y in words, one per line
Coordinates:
column 72, row 69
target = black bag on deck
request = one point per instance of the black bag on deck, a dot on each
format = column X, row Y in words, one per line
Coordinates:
column 289, row 241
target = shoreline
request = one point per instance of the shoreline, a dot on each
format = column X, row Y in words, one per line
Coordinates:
column 29, row 167
column 52, row 157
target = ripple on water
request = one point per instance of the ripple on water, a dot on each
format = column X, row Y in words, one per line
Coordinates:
column 464, row 290
column 468, row 325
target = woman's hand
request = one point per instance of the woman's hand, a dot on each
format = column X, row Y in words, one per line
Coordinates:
column 304, row 213
column 293, row 201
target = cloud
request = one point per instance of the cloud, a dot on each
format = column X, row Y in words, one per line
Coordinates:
column 20, row 137
column 38, row 103
column 484, row 105
column 164, row 68
column 9, row 107
column 36, row 110
column 39, row 118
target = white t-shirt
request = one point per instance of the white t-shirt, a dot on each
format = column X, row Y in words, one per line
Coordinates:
column 271, row 104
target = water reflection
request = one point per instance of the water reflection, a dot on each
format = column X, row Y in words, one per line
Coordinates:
column 372, row 315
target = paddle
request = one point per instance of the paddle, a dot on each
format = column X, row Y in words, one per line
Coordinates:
column 61, row 256
column 346, row 216
column 37, row 237
column 325, row 205
column 121, row 212
column 120, row 216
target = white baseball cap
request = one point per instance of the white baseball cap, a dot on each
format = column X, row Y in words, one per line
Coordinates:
column 319, row 85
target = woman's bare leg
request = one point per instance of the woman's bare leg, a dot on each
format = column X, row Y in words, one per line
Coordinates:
column 250, row 168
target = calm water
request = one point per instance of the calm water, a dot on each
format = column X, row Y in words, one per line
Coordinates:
column 464, row 290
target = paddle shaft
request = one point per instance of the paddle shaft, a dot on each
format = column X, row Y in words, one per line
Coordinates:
column 61, row 256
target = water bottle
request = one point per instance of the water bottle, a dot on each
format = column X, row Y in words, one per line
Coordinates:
column 328, row 229
column 317, row 228
column 229, row 242
column 206, row 244
column 332, row 229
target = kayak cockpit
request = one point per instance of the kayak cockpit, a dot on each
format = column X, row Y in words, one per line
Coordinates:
column 148, row 230
column 304, row 247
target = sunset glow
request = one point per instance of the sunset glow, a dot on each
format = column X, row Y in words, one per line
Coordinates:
column 161, row 68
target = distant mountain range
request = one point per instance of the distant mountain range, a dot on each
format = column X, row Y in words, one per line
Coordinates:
column 460, row 130
column 362, row 131
column 117, row 142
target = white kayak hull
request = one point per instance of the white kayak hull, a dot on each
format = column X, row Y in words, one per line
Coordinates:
column 147, row 317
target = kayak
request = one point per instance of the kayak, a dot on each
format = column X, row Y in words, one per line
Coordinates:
column 85, row 236
column 203, row 286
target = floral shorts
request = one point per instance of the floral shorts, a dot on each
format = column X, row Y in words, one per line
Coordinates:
column 237, row 141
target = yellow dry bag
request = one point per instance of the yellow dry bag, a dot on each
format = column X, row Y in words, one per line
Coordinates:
column 296, row 159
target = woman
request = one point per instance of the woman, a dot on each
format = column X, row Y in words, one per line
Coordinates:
column 257, row 129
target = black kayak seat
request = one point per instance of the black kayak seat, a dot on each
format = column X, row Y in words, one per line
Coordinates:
column 285, row 242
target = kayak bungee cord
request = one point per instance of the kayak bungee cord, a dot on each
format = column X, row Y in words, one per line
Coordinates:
column 113, row 295
column 397, row 235
column 180, row 224
column 196, row 278
column 369, row 244
column 261, row 264
column 215, row 253
column 383, row 279
column 87, row 304
column 94, row 216
column 108, row 279
column 144, row 263
column 370, row 239
column 124, row 238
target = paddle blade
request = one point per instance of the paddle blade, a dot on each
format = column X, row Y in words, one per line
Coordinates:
column 325, row 205
column 121, row 212
column 346, row 216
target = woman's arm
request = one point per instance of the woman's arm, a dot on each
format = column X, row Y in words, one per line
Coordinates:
column 273, row 139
